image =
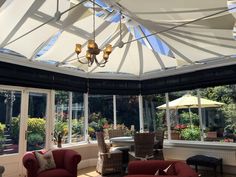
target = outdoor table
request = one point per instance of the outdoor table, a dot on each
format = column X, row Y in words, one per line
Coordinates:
column 122, row 141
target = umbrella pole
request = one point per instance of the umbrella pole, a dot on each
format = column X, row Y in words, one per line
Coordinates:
column 191, row 122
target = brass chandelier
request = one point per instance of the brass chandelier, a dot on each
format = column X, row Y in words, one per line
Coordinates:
column 93, row 50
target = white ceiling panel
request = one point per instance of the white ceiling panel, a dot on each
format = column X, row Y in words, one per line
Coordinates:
column 157, row 35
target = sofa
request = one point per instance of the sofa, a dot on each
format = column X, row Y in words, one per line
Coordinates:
column 66, row 161
column 149, row 168
column 2, row 169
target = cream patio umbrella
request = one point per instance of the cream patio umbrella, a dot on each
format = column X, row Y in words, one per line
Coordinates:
column 188, row 101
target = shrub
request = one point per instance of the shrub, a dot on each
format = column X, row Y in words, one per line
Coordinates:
column 2, row 127
column 37, row 125
column 35, row 139
column 185, row 119
column 15, row 129
column 77, row 126
column 60, row 127
column 191, row 133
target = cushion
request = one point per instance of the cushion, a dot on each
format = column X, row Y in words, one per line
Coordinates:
column 46, row 160
column 170, row 170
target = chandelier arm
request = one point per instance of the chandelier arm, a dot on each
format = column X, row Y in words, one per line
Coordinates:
column 83, row 62
column 80, row 61
column 100, row 64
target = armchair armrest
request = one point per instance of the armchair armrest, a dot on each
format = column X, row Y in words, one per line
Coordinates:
column 113, row 154
column 183, row 170
column 72, row 158
column 31, row 164
column 2, row 169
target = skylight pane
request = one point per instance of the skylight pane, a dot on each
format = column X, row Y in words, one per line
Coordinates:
column 101, row 3
column 157, row 44
column 49, row 44
column 137, row 35
column 115, row 18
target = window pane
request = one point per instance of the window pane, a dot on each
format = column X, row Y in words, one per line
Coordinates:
column 36, row 121
column 184, row 117
column 10, row 103
column 219, row 123
column 100, row 113
column 127, row 108
column 61, row 116
column 78, row 118
column 154, row 118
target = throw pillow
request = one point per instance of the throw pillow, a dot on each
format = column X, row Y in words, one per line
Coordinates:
column 157, row 172
column 170, row 170
column 46, row 160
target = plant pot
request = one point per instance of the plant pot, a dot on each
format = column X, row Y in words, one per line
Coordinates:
column 175, row 135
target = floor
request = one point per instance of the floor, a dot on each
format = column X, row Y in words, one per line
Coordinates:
column 91, row 172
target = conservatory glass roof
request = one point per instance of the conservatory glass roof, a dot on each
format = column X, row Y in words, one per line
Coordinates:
column 160, row 38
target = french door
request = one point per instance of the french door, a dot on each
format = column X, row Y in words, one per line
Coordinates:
column 25, row 120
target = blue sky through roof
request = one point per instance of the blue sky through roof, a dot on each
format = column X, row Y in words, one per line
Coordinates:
column 49, row 44
column 137, row 35
column 157, row 44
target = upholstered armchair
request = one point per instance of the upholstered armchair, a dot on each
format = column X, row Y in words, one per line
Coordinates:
column 66, row 162
column 2, row 169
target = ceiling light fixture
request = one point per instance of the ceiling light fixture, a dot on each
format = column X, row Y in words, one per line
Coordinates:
column 93, row 49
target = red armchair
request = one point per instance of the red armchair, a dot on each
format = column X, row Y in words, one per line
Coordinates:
column 149, row 167
column 66, row 161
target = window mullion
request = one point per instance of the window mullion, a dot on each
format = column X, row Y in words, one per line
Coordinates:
column 200, row 114
column 86, row 117
column 114, row 111
column 70, row 118
column 168, row 116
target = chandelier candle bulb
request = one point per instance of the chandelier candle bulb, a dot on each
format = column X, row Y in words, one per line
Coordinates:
column 105, row 56
column 88, row 56
column 78, row 49
column 108, row 49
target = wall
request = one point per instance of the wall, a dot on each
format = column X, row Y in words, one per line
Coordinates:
column 89, row 154
column 181, row 151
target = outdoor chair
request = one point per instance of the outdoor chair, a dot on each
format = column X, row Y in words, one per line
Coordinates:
column 143, row 146
column 109, row 160
column 158, row 145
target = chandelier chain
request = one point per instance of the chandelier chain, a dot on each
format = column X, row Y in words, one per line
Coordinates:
column 94, row 20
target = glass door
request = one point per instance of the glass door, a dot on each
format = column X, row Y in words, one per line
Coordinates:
column 25, row 118
column 36, row 121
